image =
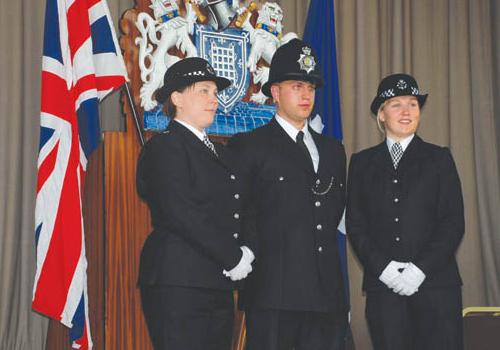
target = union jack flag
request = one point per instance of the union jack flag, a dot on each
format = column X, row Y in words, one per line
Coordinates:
column 82, row 63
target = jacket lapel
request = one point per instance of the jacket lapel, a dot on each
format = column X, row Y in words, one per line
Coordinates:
column 223, row 157
column 283, row 142
column 409, row 159
column 382, row 158
column 196, row 143
column 411, row 156
column 322, row 148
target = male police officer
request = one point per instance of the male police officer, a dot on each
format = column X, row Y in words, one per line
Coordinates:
column 295, row 178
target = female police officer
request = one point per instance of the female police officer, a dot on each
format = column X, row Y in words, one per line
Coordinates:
column 192, row 256
column 405, row 221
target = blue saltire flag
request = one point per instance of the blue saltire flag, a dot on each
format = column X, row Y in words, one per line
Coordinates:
column 320, row 34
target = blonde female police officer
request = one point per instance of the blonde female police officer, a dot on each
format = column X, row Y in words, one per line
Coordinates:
column 405, row 221
column 190, row 260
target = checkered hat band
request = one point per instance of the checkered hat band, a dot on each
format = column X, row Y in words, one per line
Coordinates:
column 392, row 92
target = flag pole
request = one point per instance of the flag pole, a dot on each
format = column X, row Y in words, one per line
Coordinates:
column 134, row 114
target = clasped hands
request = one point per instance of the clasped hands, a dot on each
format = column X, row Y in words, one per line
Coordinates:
column 402, row 278
column 243, row 268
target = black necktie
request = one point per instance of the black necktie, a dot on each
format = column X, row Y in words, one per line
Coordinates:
column 300, row 141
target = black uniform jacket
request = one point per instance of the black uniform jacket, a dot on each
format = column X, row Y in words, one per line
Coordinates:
column 291, row 218
column 412, row 214
column 194, row 202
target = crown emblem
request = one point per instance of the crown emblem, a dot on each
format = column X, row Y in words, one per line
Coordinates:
column 306, row 60
column 401, row 84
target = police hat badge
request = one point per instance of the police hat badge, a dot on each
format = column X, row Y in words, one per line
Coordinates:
column 306, row 60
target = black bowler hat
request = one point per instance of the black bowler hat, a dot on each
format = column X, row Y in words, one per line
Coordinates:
column 397, row 85
column 186, row 72
column 293, row 61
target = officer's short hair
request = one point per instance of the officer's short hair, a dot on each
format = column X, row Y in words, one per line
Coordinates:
column 380, row 124
column 168, row 106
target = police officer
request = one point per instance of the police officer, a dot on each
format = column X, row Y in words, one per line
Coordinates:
column 405, row 221
column 295, row 177
column 190, row 260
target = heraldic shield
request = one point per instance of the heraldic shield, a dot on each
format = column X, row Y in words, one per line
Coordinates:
column 227, row 52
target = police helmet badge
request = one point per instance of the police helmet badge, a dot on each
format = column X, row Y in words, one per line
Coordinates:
column 401, row 84
column 306, row 60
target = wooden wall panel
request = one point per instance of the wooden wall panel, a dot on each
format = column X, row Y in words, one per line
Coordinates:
column 127, row 218
column 127, row 225
column 95, row 236
column 93, row 214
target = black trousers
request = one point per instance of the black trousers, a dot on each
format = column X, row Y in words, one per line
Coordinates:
column 430, row 319
column 183, row 318
column 295, row 330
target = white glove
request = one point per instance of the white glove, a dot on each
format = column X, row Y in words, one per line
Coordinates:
column 408, row 282
column 243, row 268
column 391, row 272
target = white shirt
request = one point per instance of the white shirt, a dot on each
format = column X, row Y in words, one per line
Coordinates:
column 308, row 139
column 404, row 142
column 199, row 134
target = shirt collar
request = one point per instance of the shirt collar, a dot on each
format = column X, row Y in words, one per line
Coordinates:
column 199, row 134
column 404, row 142
column 292, row 130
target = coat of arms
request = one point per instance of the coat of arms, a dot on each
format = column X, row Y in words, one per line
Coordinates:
column 238, row 39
